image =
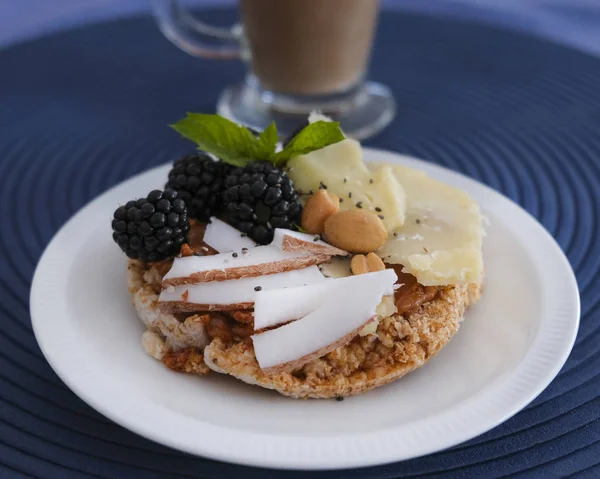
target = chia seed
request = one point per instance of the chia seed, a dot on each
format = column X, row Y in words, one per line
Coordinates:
column 378, row 209
column 235, row 255
column 359, row 204
column 339, row 398
column 380, row 217
column 418, row 221
column 257, row 288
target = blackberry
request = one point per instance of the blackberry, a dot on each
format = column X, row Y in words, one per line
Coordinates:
column 199, row 180
column 152, row 228
column 259, row 198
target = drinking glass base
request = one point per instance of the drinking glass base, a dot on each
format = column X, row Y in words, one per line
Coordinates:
column 361, row 113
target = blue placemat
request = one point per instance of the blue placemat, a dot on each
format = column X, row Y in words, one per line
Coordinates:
column 84, row 109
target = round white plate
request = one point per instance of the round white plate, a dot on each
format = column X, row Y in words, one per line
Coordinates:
column 511, row 345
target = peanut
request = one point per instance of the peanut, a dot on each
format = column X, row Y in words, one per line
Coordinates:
column 356, row 231
column 374, row 263
column 318, row 208
column 358, row 264
column 362, row 264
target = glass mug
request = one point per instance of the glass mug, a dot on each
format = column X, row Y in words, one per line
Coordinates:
column 303, row 55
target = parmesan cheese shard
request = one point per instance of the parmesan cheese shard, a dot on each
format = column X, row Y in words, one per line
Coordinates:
column 340, row 168
column 336, row 268
column 440, row 242
column 233, row 294
column 386, row 308
column 333, row 324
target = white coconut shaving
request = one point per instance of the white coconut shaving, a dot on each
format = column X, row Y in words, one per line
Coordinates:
column 225, row 238
column 242, row 290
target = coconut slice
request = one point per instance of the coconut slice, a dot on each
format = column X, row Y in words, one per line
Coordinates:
column 244, row 263
column 293, row 241
column 278, row 306
column 234, row 294
column 225, row 238
column 333, row 324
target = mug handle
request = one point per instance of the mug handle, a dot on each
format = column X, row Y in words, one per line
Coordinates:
column 191, row 35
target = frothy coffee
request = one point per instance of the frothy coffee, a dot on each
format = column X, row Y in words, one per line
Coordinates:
column 309, row 47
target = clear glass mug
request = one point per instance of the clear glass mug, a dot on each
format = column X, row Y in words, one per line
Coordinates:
column 303, row 55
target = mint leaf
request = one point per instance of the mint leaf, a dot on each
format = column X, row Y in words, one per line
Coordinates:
column 313, row 137
column 267, row 141
column 232, row 143
column 238, row 146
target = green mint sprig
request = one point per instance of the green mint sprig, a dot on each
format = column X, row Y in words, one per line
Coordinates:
column 238, row 146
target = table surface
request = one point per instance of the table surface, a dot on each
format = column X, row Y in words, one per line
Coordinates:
column 559, row 120
column 573, row 22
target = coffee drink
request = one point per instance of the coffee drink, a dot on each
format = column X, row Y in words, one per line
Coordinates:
column 309, row 47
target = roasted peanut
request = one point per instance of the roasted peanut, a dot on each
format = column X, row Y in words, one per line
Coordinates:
column 358, row 264
column 356, row 231
column 362, row 264
column 374, row 263
column 318, row 208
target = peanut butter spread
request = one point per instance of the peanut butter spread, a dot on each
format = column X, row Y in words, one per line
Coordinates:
column 412, row 295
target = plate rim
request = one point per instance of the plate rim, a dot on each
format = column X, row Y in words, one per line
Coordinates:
column 264, row 450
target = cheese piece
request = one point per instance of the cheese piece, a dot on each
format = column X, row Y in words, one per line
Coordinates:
column 336, row 268
column 440, row 242
column 386, row 308
column 341, row 169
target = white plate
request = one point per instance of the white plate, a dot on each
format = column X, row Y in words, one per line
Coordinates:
column 507, row 351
